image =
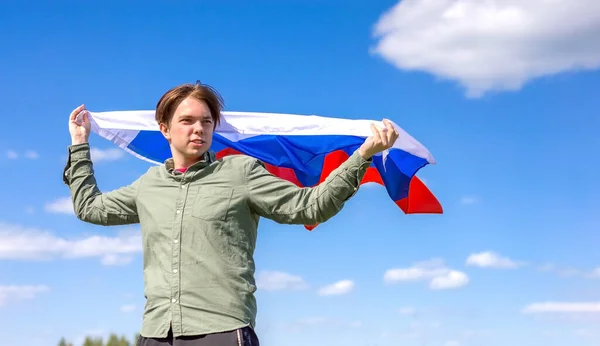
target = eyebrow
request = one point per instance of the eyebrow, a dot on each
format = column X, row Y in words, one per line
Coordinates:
column 204, row 116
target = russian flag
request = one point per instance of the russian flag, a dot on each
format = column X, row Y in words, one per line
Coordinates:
column 302, row 149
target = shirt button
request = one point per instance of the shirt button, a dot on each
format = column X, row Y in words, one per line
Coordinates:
column 175, row 241
column 178, row 211
column 174, row 300
column 174, row 270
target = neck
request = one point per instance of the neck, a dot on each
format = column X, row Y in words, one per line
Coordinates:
column 181, row 162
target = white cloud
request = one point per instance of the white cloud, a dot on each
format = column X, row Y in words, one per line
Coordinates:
column 562, row 307
column 128, row 308
column 566, row 272
column 594, row 273
column 32, row 155
column 98, row 155
column 63, row 205
column 452, row 279
column 435, row 271
column 14, row 293
column 490, row 45
column 29, row 154
column 20, row 243
column 491, row 259
column 337, row 288
column 419, row 271
column 469, row 200
column 12, row 154
column 277, row 281
column 113, row 259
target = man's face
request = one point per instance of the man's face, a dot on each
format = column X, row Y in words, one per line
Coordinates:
column 190, row 131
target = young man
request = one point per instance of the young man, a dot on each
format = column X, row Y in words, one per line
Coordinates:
column 199, row 218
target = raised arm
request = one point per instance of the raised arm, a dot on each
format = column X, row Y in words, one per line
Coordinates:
column 116, row 207
column 284, row 202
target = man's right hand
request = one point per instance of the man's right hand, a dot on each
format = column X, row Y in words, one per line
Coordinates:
column 79, row 128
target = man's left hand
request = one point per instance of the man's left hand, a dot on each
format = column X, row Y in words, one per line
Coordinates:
column 382, row 139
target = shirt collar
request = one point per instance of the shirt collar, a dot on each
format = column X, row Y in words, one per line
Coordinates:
column 207, row 158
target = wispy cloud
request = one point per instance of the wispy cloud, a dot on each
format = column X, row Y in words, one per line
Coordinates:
column 490, row 259
column 32, row 155
column 337, row 288
column 12, row 154
column 435, row 271
column 128, row 308
column 29, row 154
column 63, row 205
column 113, row 259
column 322, row 322
column 562, row 307
column 594, row 273
column 570, row 272
column 277, row 281
column 584, row 333
column 99, row 155
column 407, row 310
column 14, row 293
column 19, row 243
column 469, row 200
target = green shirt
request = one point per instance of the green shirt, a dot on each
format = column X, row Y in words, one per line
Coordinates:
column 199, row 231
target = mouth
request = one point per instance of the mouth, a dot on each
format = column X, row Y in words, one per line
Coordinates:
column 198, row 142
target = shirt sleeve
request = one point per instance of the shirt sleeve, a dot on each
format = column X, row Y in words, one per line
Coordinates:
column 116, row 207
column 284, row 202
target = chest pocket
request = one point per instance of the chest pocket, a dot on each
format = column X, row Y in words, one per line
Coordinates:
column 212, row 203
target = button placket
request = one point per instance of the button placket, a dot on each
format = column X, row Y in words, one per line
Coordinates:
column 176, row 253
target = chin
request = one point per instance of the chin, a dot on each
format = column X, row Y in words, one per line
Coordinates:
column 198, row 151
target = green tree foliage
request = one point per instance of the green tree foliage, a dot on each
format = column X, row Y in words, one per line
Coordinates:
column 91, row 341
column 113, row 340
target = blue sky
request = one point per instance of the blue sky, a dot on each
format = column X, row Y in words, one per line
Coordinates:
column 504, row 99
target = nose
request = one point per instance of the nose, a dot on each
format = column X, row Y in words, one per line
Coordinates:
column 198, row 127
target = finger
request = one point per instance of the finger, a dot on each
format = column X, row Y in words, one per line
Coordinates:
column 80, row 118
column 385, row 134
column 396, row 135
column 85, row 117
column 376, row 135
column 384, row 137
column 390, row 130
column 76, row 111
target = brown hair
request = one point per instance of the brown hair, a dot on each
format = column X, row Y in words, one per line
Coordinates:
column 165, row 108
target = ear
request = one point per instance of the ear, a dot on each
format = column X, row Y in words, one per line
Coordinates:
column 165, row 131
